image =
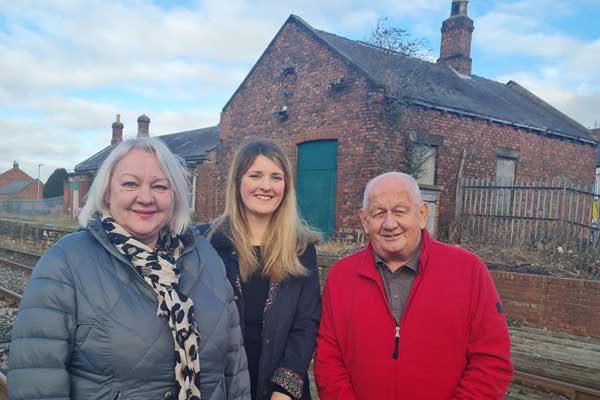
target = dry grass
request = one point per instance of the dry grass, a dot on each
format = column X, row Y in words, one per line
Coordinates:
column 333, row 248
column 564, row 260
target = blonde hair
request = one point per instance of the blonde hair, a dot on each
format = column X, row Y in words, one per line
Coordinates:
column 172, row 166
column 287, row 235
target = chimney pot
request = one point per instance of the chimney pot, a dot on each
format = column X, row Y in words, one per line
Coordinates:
column 117, row 131
column 457, row 30
column 143, row 126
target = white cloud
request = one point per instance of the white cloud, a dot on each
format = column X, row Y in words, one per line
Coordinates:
column 67, row 67
column 580, row 103
column 561, row 68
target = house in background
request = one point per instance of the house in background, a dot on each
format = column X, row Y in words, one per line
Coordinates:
column 192, row 146
column 345, row 111
column 15, row 184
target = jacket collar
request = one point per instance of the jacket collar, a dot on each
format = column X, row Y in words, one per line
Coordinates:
column 367, row 266
column 96, row 229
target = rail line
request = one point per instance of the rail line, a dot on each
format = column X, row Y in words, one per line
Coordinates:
column 14, row 264
column 567, row 390
column 10, row 294
column 19, row 256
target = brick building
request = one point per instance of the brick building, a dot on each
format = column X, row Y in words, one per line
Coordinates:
column 192, row 146
column 15, row 184
column 346, row 111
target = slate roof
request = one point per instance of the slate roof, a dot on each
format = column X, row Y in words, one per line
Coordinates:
column 440, row 87
column 193, row 146
column 15, row 187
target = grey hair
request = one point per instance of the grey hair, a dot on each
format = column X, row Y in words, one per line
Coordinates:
column 172, row 166
column 412, row 184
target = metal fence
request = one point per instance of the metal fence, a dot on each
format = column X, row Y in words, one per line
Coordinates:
column 49, row 206
column 527, row 211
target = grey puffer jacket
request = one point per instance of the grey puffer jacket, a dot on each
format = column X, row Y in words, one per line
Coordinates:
column 87, row 327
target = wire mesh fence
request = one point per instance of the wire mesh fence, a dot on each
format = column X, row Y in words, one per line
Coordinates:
column 49, row 206
column 529, row 210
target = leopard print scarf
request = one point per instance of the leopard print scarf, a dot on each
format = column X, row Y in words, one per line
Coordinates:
column 158, row 269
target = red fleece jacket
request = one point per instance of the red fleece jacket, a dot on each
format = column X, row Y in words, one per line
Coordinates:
column 453, row 339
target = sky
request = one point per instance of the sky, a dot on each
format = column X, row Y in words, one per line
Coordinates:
column 67, row 67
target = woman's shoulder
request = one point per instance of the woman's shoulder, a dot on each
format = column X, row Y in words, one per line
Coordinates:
column 308, row 258
column 218, row 239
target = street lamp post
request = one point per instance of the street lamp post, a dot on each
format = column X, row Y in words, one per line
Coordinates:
column 38, row 181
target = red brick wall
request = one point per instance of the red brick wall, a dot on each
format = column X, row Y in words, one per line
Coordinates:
column 539, row 156
column 351, row 115
column 208, row 185
column 84, row 187
column 13, row 174
column 456, row 40
column 561, row 305
column 368, row 144
column 30, row 192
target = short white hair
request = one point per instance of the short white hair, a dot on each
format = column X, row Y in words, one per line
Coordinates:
column 172, row 166
column 412, row 185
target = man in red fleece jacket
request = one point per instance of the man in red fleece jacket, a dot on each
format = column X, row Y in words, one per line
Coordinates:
column 409, row 317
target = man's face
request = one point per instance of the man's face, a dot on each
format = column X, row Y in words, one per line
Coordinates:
column 394, row 221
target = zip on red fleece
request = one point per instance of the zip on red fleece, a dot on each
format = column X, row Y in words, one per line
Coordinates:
column 396, row 342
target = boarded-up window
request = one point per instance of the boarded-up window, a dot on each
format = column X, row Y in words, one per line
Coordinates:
column 426, row 156
column 505, row 176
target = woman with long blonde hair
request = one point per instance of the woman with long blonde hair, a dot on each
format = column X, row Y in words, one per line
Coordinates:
column 271, row 262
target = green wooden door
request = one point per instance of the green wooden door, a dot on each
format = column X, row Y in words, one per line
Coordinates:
column 317, row 178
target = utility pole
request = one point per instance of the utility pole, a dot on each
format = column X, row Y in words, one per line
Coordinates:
column 38, row 181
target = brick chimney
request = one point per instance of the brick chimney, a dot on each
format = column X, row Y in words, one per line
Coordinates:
column 143, row 126
column 117, row 131
column 455, row 48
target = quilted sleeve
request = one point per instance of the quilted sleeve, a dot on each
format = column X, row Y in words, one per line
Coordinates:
column 42, row 337
column 237, row 378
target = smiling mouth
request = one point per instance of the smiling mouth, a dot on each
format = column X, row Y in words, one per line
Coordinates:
column 144, row 214
column 263, row 197
column 391, row 236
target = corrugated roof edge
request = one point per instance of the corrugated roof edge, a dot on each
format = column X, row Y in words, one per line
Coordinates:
column 427, row 104
column 524, row 91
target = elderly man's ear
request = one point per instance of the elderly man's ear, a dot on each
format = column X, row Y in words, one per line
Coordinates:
column 423, row 214
column 363, row 220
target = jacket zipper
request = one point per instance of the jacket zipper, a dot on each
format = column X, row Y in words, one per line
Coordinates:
column 396, row 342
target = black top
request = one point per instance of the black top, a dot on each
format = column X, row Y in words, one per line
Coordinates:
column 290, row 327
column 255, row 292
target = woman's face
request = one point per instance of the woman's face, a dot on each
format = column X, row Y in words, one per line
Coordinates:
column 262, row 188
column 140, row 197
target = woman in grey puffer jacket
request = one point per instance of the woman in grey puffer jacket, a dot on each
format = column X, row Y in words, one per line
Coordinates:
column 134, row 306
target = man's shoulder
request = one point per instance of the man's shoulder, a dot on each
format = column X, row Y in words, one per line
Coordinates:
column 454, row 254
column 348, row 263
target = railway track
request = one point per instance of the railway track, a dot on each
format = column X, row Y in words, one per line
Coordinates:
column 19, row 256
column 553, row 389
column 15, row 271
